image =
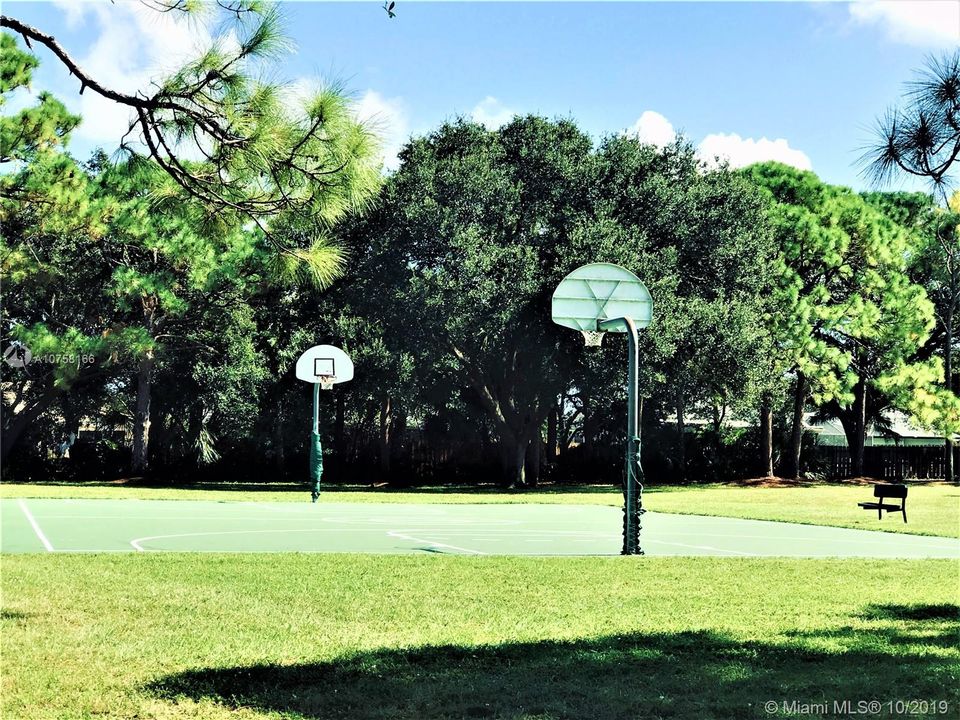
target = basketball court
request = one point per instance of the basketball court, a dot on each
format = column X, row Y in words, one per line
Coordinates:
column 62, row 525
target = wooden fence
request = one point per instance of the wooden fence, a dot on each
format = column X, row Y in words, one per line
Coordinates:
column 886, row 463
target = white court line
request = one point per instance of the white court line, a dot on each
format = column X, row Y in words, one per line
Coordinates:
column 451, row 522
column 545, row 537
column 432, row 543
column 221, row 518
column 36, row 527
column 644, row 541
column 136, row 542
column 913, row 541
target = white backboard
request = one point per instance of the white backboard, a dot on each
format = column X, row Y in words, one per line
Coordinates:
column 601, row 291
column 324, row 363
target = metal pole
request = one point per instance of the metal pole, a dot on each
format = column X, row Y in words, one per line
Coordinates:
column 633, row 472
column 316, row 452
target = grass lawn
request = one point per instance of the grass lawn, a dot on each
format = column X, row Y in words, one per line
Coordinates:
column 932, row 509
column 364, row 636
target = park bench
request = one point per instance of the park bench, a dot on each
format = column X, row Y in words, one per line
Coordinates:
column 888, row 491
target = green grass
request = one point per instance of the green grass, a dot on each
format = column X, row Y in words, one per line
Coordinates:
column 363, row 636
column 932, row 509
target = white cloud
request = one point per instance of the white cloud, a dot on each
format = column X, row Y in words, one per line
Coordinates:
column 740, row 152
column 133, row 46
column 653, row 128
column 491, row 113
column 72, row 12
column 915, row 22
column 387, row 117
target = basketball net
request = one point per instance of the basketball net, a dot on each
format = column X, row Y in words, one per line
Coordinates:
column 592, row 338
column 326, row 382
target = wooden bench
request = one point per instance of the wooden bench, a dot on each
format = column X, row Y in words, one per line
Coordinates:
column 888, row 491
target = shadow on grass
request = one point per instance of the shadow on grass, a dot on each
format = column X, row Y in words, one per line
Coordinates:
column 945, row 611
column 678, row 675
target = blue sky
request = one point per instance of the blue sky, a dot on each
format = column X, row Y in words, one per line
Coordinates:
column 799, row 82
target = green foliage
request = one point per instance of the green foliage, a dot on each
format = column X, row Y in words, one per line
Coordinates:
column 115, row 263
column 50, row 215
column 921, row 138
column 213, row 274
column 465, row 246
column 700, row 240
column 35, row 135
column 477, row 228
column 916, row 388
column 848, row 316
column 35, row 130
column 270, row 155
column 846, row 309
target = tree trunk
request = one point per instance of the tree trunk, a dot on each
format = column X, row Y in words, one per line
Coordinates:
column 766, row 435
column 719, row 413
column 71, row 426
column 384, row 437
column 553, row 421
column 532, row 459
column 141, row 415
column 681, row 439
column 513, row 455
column 948, row 383
column 279, row 449
column 566, row 429
column 856, row 429
column 792, row 468
column 22, row 420
column 339, row 423
column 589, row 426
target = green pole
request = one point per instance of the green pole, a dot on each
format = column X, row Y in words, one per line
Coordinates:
column 316, row 452
column 633, row 472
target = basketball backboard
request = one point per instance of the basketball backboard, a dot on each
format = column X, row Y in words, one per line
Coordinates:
column 324, row 364
column 596, row 299
column 601, row 291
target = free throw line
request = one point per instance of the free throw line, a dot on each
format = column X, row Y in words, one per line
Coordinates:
column 36, row 528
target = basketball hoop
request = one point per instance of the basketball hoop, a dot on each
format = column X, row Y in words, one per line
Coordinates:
column 323, row 366
column 592, row 338
column 595, row 299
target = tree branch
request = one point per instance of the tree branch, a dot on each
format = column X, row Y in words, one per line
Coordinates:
column 31, row 33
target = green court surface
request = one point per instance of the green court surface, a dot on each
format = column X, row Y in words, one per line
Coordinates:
column 68, row 525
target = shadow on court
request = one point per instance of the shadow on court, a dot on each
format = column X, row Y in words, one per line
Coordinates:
column 678, row 675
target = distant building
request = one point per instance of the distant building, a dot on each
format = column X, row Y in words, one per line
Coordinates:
column 901, row 432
